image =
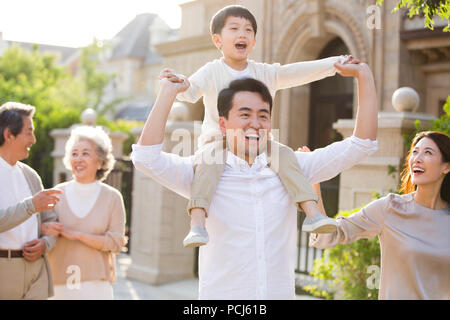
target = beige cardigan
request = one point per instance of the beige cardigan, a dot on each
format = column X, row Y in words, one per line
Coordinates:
column 15, row 215
column 107, row 217
column 414, row 241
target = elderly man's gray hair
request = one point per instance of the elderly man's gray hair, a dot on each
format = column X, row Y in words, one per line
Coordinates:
column 103, row 144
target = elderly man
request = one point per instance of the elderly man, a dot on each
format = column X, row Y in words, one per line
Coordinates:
column 24, row 270
column 252, row 222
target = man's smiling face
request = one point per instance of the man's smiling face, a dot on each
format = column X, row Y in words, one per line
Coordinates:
column 247, row 126
column 24, row 140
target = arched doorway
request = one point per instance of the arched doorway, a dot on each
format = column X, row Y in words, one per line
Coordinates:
column 330, row 99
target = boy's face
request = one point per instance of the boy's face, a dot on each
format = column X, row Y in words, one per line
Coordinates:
column 237, row 38
column 248, row 124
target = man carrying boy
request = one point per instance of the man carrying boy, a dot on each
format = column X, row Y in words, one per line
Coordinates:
column 252, row 221
column 233, row 30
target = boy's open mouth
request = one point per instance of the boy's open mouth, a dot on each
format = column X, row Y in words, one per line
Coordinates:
column 240, row 45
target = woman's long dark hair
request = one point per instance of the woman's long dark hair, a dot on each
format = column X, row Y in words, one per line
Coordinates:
column 443, row 142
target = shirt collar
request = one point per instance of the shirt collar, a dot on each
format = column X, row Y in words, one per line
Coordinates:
column 239, row 164
column 6, row 165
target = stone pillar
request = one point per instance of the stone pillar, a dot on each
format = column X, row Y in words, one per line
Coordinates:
column 381, row 171
column 60, row 136
column 160, row 222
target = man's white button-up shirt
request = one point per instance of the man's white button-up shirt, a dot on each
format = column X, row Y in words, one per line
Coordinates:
column 252, row 222
column 14, row 189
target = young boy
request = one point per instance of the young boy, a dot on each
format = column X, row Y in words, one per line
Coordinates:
column 233, row 30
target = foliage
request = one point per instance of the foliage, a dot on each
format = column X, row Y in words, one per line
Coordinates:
column 95, row 81
column 344, row 269
column 122, row 126
column 429, row 8
column 441, row 124
column 34, row 78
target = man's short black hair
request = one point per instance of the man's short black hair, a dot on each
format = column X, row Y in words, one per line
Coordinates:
column 11, row 117
column 218, row 21
column 225, row 98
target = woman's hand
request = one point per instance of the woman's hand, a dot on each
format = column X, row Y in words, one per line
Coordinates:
column 70, row 234
column 52, row 229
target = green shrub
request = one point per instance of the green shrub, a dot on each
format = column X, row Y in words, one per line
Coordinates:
column 344, row 269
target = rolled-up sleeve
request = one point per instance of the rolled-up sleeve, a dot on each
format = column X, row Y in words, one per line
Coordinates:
column 170, row 170
column 366, row 223
column 326, row 163
column 115, row 235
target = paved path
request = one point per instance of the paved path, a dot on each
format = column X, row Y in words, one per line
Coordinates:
column 126, row 289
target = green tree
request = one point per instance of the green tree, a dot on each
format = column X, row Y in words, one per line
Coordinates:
column 34, row 78
column 429, row 8
column 441, row 124
column 96, row 81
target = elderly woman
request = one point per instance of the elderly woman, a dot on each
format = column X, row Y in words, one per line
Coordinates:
column 92, row 220
column 413, row 228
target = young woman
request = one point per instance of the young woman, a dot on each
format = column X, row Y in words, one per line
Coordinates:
column 413, row 228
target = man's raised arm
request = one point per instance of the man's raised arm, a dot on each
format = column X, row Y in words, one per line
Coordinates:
column 155, row 126
column 367, row 114
column 168, row 169
column 325, row 163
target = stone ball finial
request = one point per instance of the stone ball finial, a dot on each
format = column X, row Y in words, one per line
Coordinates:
column 179, row 112
column 89, row 117
column 405, row 99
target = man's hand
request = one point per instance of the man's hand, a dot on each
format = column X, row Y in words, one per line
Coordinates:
column 171, row 75
column 351, row 67
column 178, row 87
column 34, row 249
column 45, row 199
column 52, row 229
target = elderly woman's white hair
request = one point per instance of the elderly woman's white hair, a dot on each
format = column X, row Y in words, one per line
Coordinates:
column 103, row 148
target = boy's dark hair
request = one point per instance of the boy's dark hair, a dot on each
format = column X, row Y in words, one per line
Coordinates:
column 225, row 98
column 218, row 21
column 11, row 117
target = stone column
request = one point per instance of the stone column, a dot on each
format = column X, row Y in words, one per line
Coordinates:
column 381, row 171
column 160, row 222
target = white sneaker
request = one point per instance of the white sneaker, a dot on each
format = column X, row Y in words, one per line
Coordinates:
column 197, row 236
column 319, row 224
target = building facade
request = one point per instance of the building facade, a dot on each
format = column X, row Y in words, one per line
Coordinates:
column 399, row 51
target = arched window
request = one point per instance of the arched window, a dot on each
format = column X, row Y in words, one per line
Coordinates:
column 330, row 99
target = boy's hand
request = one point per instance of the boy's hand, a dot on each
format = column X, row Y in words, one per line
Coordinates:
column 171, row 75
